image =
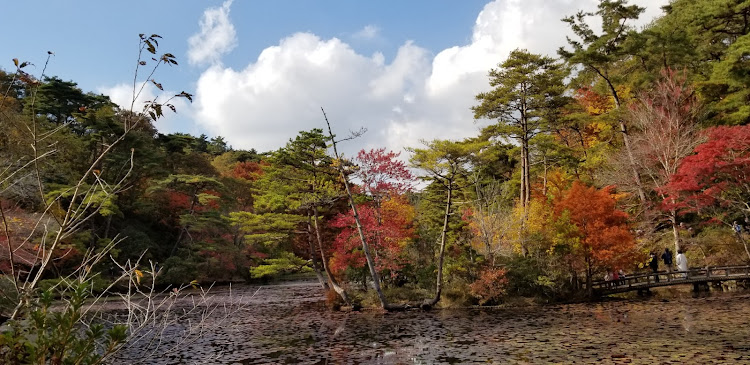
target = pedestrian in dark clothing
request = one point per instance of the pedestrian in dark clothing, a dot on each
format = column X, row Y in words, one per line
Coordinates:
column 667, row 258
column 654, row 265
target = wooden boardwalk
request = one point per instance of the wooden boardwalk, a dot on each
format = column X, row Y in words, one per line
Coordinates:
column 696, row 276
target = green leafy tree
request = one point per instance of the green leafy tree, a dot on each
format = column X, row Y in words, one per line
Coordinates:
column 445, row 162
column 309, row 175
column 601, row 57
column 528, row 92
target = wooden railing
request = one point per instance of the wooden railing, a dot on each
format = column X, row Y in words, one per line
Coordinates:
column 665, row 278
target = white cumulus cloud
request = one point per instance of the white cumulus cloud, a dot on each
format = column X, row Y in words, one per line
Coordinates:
column 368, row 32
column 216, row 37
column 416, row 95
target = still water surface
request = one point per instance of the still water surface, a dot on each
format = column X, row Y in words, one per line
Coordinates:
column 289, row 324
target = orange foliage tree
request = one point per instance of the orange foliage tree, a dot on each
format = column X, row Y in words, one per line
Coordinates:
column 599, row 232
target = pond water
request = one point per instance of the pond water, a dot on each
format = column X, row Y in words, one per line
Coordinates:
column 289, row 324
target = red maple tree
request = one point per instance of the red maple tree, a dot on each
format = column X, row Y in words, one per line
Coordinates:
column 388, row 230
column 715, row 181
column 382, row 173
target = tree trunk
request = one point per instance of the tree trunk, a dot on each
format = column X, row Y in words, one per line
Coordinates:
column 186, row 226
column 626, row 141
column 675, row 230
column 313, row 254
column 742, row 240
column 331, row 280
column 482, row 200
column 544, row 179
column 523, row 174
column 441, row 256
column 108, row 226
column 525, row 183
column 633, row 165
column 589, row 288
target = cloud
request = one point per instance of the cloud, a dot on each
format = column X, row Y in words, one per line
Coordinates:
column 369, row 32
column 216, row 37
column 269, row 101
column 416, row 95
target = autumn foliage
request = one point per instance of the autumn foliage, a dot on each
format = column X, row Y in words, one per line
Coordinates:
column 716, row 176
column 600, row 230
column 491, row 285
column 381, row 172
column 388, row 231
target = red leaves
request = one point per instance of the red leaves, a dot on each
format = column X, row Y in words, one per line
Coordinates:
column 382, row 173
column 387, row 231
column 717, row 175
column 386, row 221
column 491, row 285
column 593, row 102
column 177, row 201
column 248, row 170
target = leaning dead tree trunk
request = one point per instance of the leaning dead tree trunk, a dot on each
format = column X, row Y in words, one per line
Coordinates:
column 331, row 279
column 313, row 254
column 365, row 247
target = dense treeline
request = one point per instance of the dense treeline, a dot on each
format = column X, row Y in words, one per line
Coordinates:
column 632, row 141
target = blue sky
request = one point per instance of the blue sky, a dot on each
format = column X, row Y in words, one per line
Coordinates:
column 261, row 70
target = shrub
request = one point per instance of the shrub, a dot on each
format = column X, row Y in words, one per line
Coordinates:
column 491, row 286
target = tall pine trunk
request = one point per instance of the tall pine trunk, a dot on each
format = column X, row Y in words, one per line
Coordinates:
column 441, row 256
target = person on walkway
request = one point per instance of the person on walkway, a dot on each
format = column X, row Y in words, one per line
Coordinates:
column 654, row 265
column 667, row 258
column 682, row 264
column 607, row 279
column 622, row 276
column 615, row 278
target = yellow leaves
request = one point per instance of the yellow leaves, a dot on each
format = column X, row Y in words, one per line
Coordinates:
column 397, row 210
column 335, row 163
column 596, row 133
column 619, row 195
column 398, row 205
column 531, row 221
column 138, row 275
column 593, row 102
